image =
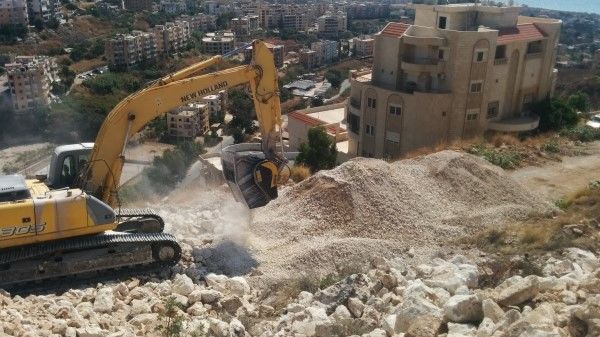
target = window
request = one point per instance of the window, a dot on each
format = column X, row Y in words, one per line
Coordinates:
column 68, row 172
column 472, row 115
column 500, row 52
column 392, row 137
column 443, row 22
column 476, row 86
column 493, row 109
column 353, row 122
column 371, row 103
column 395, row 110
column 441, row 54
column 534, row 47
column 370, row 130
column 480, row 56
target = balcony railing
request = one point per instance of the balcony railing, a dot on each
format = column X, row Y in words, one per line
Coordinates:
column 421, row 60
column 499, row 62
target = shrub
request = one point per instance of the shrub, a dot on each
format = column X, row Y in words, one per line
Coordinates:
column 581, row 133
column 555, row 114
column 551, row 146
column 562, row 203
column 505, row 159
column 299, row 173
column 319, row 153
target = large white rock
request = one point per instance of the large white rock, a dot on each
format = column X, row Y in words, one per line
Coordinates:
column 182, row 285
column 486, row 328
column 217, row 282
column 144, row 319
column 219, row 328
column 355, row 306
column 104, row 301
column 238, row 286
column 415, row 308
column 139, row 307
column 236, row 328
column 492, row 310
column 461, row 330
column 91, row 331
column 520, row 291
column 463, row 309
column 378, row 333
column 389, row 325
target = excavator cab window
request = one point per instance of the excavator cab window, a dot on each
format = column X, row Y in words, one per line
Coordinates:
column 69, row 171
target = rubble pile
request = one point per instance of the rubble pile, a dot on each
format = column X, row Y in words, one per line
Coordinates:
column 393, row 299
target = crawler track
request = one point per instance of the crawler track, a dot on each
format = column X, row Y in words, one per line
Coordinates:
column 49, row 264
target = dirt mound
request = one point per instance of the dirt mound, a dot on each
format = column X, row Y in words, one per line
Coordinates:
column 367, row 206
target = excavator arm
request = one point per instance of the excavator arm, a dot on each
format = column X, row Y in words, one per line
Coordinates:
column 185, row 86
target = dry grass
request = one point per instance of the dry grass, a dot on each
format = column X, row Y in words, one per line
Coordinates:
column 86, row 65
column 577, row 226
column 503, row 139
column 299, row 172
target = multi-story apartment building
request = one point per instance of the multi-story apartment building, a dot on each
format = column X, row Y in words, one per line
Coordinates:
column 126, row 50
column 215, row 104
column 188, row 122
column 277, row 50
column 286, row 16
column 363, row 46
column 39, row 9
column 218, row 43
column 244, row 26
column 295, row 22
column 458, row 71
column 173, row 6
column 172, row 36
column 308, row 58
column 30, row 79
column 200, row 22
column 327, row 51
column 368, row 10
column 218, row 7
column 332, row 24
column 13, row 12
column 138, row 5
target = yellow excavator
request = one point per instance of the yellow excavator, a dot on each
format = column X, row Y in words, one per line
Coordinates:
column 69, row 225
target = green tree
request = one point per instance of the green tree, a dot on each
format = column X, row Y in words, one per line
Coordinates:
column 317, row 101
column 579, row 101
column 555, row 114
column 334, row 77
column 319, row 153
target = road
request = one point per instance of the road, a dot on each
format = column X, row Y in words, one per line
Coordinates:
column 557, row 180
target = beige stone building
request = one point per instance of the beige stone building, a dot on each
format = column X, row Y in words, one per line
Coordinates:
column 13, row 12
column 332, row 24
column 308, row 58
column 200, row 22
column 172, row 36
column 244, row 26
column 458, row 71
column 218, row 43
column 30, row 80
column 215, row 104
column 189, row 121
column 126, row 50
column 363, row 46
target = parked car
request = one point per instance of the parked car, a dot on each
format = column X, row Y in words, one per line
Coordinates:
column 594, row 122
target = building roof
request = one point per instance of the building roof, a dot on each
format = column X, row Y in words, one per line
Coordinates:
column 309, row 120
column 524, row 32
column 394, row 29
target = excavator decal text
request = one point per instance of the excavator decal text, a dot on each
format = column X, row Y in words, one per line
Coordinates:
column 22, row 230
column 203, row 92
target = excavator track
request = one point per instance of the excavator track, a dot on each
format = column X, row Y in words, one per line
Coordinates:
column 136, row 220
column 49, row 264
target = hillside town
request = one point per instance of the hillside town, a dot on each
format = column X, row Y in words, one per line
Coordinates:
column 380, row 168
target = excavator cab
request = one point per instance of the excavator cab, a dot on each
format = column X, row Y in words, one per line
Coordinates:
column 252, row 177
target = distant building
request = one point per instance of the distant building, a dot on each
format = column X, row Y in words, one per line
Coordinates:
column 363, row 46
column 308, row 58
column 458, row 71
column 126, row 50
column 244, row 26
column 188, row 121
column 367, row 10
column 13, row 12
column 30, row 79
column 138, row 5
column 327, row 51
column 173, row 6
column 172, row 36
column 218, row 43
column 332, row 25
column 215, row 103
column 200, row 22
column 277, row 50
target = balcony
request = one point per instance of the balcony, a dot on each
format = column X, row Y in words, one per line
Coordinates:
column 422, row 64
column 517, row 124
column 500, row 62
column 532, row 56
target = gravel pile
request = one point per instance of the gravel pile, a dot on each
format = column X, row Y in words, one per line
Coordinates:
column 369, row 207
